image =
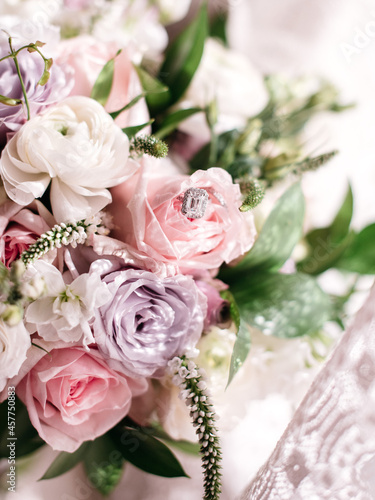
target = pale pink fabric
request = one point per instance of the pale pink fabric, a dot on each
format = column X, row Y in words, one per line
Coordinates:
column 328, row 449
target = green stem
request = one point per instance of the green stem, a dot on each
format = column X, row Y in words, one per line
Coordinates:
column 20, row 78
column 6, row 57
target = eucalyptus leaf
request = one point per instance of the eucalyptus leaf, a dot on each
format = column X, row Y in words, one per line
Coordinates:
column 184, row 55
column 171, row 121
column 65, row 461
column 147, row 453
column 104, row 464
column 242, row 345
column 328, row 244
column 359, row 257
column 283, row 305
column 279, row 235
column 103, row 85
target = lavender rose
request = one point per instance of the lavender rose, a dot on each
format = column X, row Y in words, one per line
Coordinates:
column 31, row 68
column 148, row 321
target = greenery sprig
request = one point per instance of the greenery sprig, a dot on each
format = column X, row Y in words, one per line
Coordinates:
column 188, row 377
column 31, row 47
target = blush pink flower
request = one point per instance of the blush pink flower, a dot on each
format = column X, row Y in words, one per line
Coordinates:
column 72, row 396
column 218, row 309
column 19, row 228
column 148, row 216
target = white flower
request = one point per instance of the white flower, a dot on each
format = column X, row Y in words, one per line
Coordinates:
column 227, row 77
column 134, row 25
column 78, row 146
column 172, row 11
column 66, row 311
column 14, row 343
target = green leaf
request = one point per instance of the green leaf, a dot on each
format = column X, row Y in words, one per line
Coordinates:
column 218, row 28
column 359, row 256
column 171, row 122
column 130, row 104
column 243, row 166
column 28, row 437
column 132, row 131
column 339, row 228
column 103, row 85
column 147, row 453
column 185, row 446
column 327, row 244
column 158, row 95
column 104, row 464
column 65, row 461
column 242, row 345
column 279, row 235
column 283, row 305
column 184, row 55
column 225, row 154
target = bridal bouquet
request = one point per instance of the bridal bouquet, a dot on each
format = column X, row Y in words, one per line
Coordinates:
column 134, row 264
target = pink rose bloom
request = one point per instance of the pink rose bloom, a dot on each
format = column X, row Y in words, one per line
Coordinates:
column 87, row 56
column 218, row 309
column 148, row 216
column 72, row 396
column 19, row 228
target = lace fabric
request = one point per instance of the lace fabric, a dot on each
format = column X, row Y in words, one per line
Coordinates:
column 328, row 449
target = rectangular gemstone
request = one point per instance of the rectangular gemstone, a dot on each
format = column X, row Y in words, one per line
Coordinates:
column 194, row 203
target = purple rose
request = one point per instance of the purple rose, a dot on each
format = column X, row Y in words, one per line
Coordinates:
column 31, row 68
column 149, row 320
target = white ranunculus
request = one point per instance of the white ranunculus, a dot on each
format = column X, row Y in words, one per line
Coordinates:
column 66, row 310
column 14, row 344
column 172, row 11
column 229, row 78
column 77, row 145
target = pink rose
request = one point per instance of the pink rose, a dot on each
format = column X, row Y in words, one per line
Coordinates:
column 72, row 396
column 87, row 56
column 148, row 216
column 218, row 309
column 19, row 228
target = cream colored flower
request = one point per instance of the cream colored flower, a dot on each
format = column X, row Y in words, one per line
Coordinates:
column 78, row 147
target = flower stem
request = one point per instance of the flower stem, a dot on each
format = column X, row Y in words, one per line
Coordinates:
column 14, row 55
